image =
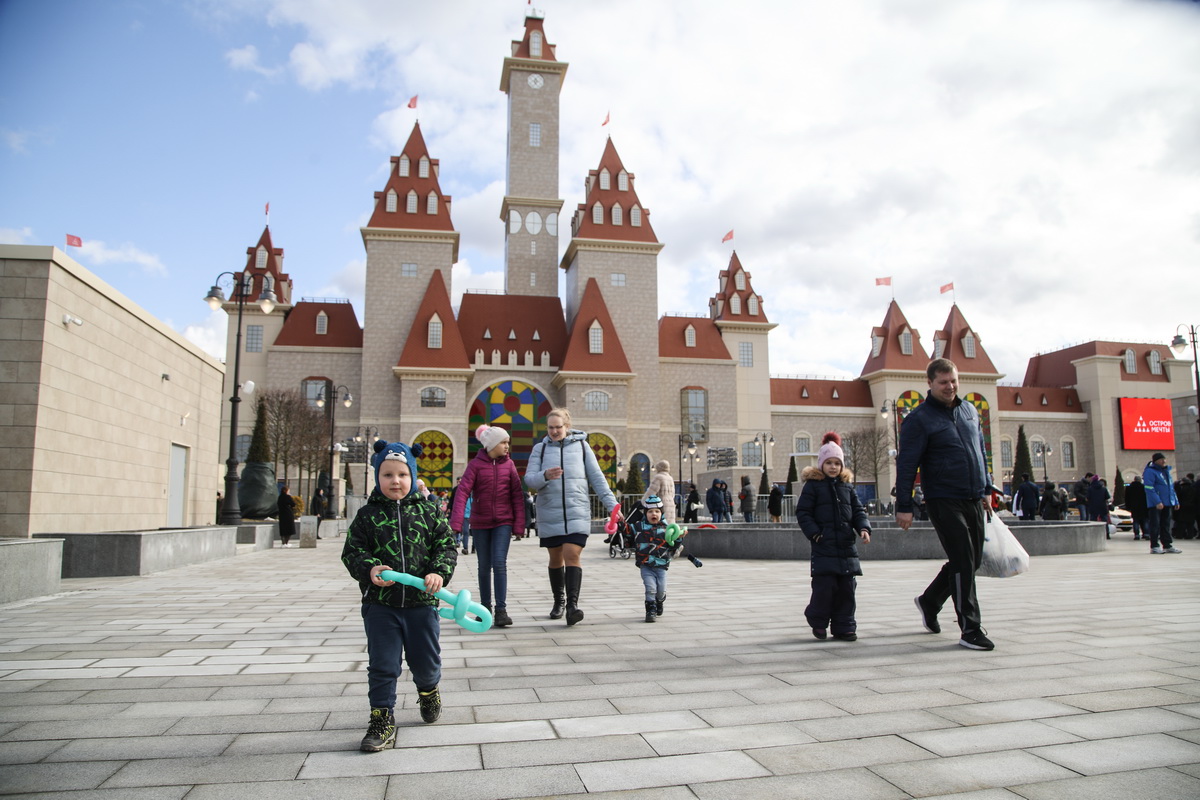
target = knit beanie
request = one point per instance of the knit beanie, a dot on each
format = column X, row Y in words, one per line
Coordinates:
column 831, row 447
column 396, row 451
column 489, row 436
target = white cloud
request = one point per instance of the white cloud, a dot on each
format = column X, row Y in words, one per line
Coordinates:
column 98, row 252
column 246, row 59
column 16, row 140
column 209, row 335
column 16, row 235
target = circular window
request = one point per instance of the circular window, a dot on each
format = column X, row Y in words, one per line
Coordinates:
column 533, row 222
column 514, row 222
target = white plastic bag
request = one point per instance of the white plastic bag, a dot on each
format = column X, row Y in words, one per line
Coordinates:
column 1003, row 555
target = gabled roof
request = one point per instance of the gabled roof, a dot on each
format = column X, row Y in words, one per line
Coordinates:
column 520, row 47
column 300, row 326
column 1056, row 369
column 578, row 359
column 953, row 333
column 719, row 305
column 1037, row 398
column 890, row 356
column 672, row 339
column 584, row 228
column 415, row 150
column 281, row 283
column 854, row 393
column 417, row 352
column 513, row 322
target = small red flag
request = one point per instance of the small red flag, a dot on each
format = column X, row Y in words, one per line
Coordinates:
column 883, row 281
column 727, row 237
column 74, row 241
column 949, row 287
column 267, row 209
column 607, row 114
column 412, row 102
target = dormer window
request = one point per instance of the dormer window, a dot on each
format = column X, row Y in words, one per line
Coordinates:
column 1045, row 400
column 1019, row 401
column 423, row 167
column 435, row 333
column 739, row 280
column 512, row 334
column 402, row 166
column 906, row 343
column 616, row 215
column 595, row 338
column 836, row 396
column 268, row 283
column 689, row 336
column 598, row 214
column 735, row 304
column 804, row 393
column 411, row 205
column 1155, row 362
column 939, row 347
column 535, row 44
column 635, row 217
column 431, row 203
column 260, row 258
column 1130, row 362
column 322, row 323
column 487, row 333
column 968, row 343
column 623, row 181
column 876, row 344
column 537, row 337
column 604, row 180
column 392, row 202
column 752, row 305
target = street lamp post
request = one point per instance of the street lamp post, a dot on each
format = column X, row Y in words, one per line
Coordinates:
column 1044, row 453
column 231, row 510
column 764, row 438
column 1178, row 344
column 347, row 401
column 367, row 435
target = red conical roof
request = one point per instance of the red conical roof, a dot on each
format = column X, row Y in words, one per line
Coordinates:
column 891, row 355
column 615, row 228
column 579, row 358
column 417, row 352
column 955, row 347
column 719, row 304
column 416, row 154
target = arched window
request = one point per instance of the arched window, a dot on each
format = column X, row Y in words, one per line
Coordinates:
column 1130, row 362
column 739, row 280
column 391, row 201
column 1155, row 361
column 431, row 203
column 968, row 343
column 640, row 463
column 906, row 343
column 1066, row 448
column 635, row 217
column 535, row 44
column 411, row 205
column 435, row 333
column 802, row 442
column 735, row 304
column 1006, row 453
column 689, row 336
column 623, row 181
column 604, row 180
column 752, row 305
column 322, row 323
column 616, row 215
column 423, row 167
column 402, row 166
column 876, row 344
column 433, row 397
column 939, row 347
column 598, row 214
column 260, row 258
column 595, row 401
column 595, row 338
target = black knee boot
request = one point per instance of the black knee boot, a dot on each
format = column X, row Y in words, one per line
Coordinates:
column 557, row 583
column 650, row 611
column 574, row 577
column 659, row 599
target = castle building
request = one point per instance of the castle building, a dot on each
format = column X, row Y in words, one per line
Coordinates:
column 643, row 386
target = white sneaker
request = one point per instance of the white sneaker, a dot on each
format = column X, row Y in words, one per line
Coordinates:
column 1172, row 549
column 1156, row 551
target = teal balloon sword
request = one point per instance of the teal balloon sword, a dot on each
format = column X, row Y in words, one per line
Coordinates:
column 461, row 603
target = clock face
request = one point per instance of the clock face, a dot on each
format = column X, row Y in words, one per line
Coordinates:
column 536, row 81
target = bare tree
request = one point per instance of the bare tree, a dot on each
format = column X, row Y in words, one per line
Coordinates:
column 867, row 453
column 294, row 428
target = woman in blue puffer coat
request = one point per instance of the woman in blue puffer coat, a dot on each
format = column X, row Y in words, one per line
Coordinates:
column 562, row 469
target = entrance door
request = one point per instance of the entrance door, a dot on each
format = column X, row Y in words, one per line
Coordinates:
column 177, row 486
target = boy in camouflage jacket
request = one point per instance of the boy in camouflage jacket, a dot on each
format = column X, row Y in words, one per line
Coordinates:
column 398, row 530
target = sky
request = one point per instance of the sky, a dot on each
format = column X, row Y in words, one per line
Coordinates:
column 1041, row 155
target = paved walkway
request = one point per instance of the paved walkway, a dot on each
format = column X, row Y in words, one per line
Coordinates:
column 244, row 678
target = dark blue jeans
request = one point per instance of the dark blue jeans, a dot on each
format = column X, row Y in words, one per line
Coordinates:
column 491, row 547
column 396, row 634
column 1158, row 526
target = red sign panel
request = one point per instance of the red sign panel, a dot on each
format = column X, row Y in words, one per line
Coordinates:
column 1146, row 424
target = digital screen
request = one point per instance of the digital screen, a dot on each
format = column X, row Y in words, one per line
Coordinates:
column 1146, row 423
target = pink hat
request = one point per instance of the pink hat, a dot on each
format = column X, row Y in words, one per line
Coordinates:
column 831, row 447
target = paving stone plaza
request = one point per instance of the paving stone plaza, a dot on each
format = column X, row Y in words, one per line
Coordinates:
column 244, row 678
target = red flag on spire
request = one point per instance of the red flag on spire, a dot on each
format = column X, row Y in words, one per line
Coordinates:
column 884, row 281
column 727, row 236
column 949, row 287
column 267, row 209
column 607, row 114
column 74, row 241
column 412, row 101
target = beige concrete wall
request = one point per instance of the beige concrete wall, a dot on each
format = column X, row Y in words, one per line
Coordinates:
column 87, row 414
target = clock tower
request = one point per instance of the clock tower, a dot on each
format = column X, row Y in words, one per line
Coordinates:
column 532, row 78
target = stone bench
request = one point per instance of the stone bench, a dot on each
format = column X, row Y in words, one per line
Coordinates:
column 260, row 534
column 108, row 554
column 30, row 568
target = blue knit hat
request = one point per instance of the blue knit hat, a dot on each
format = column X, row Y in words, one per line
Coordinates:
column 396, row 451
column 652, row 501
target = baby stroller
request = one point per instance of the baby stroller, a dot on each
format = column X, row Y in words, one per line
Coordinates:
column 621, row 542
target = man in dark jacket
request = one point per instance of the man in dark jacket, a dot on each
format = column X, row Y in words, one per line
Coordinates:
column 943, row 438
column 1080, row 490
column 1027, row 497
column 1135, row 504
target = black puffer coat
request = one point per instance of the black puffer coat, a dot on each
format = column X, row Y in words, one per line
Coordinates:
column 830, row 514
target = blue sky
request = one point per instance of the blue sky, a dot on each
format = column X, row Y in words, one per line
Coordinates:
column 1044, row 155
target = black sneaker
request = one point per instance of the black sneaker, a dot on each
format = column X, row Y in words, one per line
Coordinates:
column 819, row 633
column 928, row 618
column 381, row 731
column 431, row 704
column 846, row 637
column 501, row 619
column 976, row 640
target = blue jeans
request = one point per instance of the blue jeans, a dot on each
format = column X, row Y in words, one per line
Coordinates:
column 466, row 534
column 491, row 547
column 748, row 515
column 396, row 634
column 654, row 580
column 721, row 515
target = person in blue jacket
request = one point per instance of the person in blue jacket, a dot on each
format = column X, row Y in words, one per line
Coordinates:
column 943, row 438
column 1160, row 500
